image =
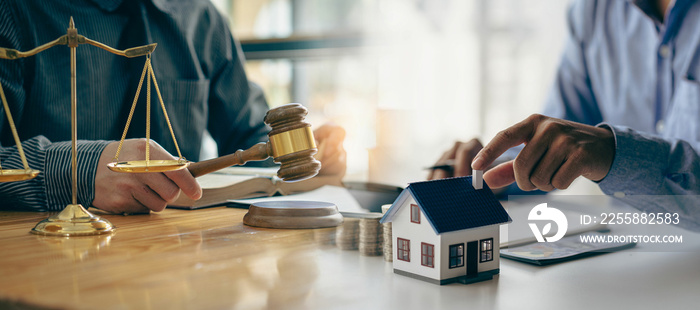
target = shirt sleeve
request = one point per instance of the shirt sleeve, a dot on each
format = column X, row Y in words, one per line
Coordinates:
column 655, row 175
column 571, row 96
column 51, row 190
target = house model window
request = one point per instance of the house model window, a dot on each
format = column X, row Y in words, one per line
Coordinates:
column 457, row 255
column 486, row 250
column 403, row 249
column 415, row 214
column 427, row 254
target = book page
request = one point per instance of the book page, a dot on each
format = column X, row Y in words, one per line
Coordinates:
column 249, row 171
column 216, row 180
column 340, row 196
column 227, row 184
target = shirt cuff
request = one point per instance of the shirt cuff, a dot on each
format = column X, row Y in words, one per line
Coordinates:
column 639, row 164
column 57, row 167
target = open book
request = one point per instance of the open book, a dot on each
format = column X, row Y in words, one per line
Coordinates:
column 242, row 182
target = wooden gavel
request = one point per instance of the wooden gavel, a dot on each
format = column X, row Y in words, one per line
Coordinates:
column 291, row 145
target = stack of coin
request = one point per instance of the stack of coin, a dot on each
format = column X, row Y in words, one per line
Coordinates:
column 371, row 235
column 347, row 234
column 386, row 238
column 386, row 249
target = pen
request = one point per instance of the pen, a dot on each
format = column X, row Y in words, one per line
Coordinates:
column 448, row 164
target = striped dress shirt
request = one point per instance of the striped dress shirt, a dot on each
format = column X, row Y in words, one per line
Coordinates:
column 200, row 73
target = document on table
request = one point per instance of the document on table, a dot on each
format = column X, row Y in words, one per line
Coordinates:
column 518, row 232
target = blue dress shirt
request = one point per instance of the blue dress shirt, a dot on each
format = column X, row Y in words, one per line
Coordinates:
column 199, row 69
column 627, row 70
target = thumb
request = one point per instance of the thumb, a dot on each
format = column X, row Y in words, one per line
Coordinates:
column 500, row 175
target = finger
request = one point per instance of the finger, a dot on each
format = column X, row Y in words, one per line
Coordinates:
column 162, row 185
column 122, row 202
column 336, row 136
column 500, row 176
column 186, row 182
column 529, row 157
column 464, row 156
column 134, row 207
column 566, row 174
column 329, row 150
column 336, row 169
column 504, row 140
column 324, row 130
column 330, row 133
column 332, row 162
column 329, row 140
column 446, row 172
column 545, row 170
column 145, row 196
column 440, row 174
column 441, row 171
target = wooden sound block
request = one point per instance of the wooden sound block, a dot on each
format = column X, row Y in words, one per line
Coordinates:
column 293, row 214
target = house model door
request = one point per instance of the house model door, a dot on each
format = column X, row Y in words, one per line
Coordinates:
column 472, row 258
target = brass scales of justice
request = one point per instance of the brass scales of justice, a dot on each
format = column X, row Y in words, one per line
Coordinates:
column 291, row 142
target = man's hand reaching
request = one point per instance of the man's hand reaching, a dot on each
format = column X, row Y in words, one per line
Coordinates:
column 461, row 155
column 556, row 152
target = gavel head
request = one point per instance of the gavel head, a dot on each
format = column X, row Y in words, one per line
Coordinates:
column 292, row 142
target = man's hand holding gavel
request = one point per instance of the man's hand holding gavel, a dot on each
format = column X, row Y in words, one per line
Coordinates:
column 556, row 152
column 144, row 192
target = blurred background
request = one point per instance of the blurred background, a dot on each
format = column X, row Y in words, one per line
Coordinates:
column 405, row 78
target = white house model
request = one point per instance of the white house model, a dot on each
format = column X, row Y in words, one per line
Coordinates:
column 447, row 231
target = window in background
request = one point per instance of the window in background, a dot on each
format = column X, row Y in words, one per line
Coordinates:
column 406, row 78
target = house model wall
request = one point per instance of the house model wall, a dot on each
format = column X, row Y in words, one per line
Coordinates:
column 456, row 240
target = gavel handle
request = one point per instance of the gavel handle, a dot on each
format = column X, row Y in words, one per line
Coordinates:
column 240, row 157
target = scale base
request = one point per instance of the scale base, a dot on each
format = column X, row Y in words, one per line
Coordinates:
column 74, row 220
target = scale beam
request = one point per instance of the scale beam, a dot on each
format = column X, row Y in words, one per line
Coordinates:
column 8, row 53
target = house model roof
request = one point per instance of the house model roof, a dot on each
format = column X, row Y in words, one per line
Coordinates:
column 453, row 204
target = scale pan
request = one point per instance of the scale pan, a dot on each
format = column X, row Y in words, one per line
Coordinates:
column 12, row 175
column 140, row 166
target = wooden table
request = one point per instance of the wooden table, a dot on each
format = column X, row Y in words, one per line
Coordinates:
column 206, row 259
column 169, row 260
